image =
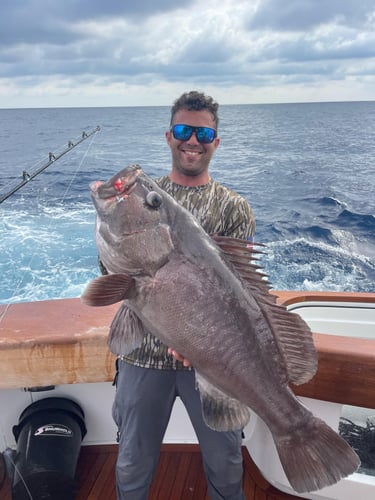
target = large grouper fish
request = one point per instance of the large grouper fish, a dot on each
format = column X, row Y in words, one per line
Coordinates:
column 203, row 296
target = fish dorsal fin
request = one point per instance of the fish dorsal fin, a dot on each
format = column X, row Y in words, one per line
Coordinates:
column 242, row 255
column 107, row 290
column 292, row 334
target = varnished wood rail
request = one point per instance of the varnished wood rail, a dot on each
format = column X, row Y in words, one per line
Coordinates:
column 65, row 342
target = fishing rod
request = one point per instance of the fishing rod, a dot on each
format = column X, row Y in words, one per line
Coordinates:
column 52, row 158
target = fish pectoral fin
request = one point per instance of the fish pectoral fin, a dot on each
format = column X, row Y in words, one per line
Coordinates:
column 126, row 332
column 107, row 290
column 221, row 412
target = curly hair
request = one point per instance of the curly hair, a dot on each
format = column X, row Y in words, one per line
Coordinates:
column 196, row 101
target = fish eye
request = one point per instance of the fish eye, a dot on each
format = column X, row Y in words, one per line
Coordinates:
column 153, row 199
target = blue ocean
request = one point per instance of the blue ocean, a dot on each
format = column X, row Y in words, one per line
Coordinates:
column 306, row 169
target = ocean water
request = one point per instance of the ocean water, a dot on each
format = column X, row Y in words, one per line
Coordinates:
column 306, row 169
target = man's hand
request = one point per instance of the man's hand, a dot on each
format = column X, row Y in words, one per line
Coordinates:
column 175, row 354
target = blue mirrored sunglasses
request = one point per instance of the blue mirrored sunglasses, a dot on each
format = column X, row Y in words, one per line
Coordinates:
column 204, row 135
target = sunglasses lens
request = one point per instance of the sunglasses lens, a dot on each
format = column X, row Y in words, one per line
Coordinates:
column 205, row 135
column 182, row 132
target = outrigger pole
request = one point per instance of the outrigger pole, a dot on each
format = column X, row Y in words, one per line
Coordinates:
column 26, row 177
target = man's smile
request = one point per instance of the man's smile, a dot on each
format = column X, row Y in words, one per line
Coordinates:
column 190, row 152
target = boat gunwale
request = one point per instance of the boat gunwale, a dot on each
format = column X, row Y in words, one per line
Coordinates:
column 62, row 341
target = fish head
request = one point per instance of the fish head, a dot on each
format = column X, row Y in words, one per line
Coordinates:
column 132, row 232
column 124, row 201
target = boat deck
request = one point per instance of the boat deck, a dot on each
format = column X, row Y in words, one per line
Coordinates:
column 179, row 476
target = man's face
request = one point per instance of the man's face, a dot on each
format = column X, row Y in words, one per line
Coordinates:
column 190, row 157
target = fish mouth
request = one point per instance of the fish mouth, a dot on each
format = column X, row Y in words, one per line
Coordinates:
column 94, row 185
column 120, row 185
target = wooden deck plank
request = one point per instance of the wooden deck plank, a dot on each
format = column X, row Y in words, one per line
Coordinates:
column 195, row 483
column 86, row 478
column 105, row 479
column 179, row 488
column 179, row 476
column 166, row 478
column 159, row 486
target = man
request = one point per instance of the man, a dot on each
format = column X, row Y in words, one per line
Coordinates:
column 150, row 378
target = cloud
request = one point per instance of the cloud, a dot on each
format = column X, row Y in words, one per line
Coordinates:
column 103, row 53
column 300, row 15
column 31, row 21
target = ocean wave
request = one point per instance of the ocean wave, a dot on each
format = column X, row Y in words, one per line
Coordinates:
column 302, row 264
column 50, row 252
column 330, row 201
column 49, row 255
column 357, row 221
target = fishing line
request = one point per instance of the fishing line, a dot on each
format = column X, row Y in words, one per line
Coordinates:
column 60, row 200
column 78, row 169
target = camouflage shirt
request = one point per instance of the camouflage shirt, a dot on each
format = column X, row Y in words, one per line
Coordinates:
column 219, row 210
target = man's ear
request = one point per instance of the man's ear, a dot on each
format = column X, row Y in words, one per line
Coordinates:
column 168, row 137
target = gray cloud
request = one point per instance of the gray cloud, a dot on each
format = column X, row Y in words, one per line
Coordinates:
column 300, row 15
column 93, row 47
column 34, row 21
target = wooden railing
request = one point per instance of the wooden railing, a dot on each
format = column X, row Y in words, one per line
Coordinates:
column 65, row 342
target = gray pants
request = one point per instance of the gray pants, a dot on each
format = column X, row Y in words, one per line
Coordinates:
column 141, row 410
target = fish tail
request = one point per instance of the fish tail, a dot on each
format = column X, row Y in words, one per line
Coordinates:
column 315, row 456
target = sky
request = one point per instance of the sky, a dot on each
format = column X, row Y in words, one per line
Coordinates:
column 79, row 53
